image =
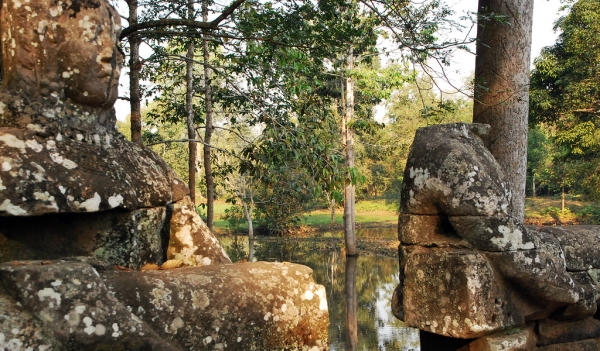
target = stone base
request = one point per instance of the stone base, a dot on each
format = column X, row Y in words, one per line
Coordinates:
column 456, row 293
column 251, row 306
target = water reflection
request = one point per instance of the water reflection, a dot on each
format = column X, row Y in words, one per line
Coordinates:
column 351, row 305
column 374, row 279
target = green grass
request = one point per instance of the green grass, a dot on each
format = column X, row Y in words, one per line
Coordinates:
column 383, row 212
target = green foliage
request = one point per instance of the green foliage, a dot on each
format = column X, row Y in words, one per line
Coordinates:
column 554, row 212
column 234, row 215
column 382, row 156
column 590, row 214
column 565, row 100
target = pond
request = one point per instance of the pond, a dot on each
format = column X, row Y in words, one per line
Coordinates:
column 372, row 280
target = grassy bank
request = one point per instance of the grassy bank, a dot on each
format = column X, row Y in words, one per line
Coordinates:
column 383, row 213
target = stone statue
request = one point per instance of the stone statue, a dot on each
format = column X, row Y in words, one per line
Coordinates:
column 61, row 70
column 63, row 56
column 468, row 267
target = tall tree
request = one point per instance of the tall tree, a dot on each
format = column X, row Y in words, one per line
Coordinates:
column 502, row 87
column 348, row 138
column 189, row 108
column 208, row 122
column 565, row 98
column 134, row 76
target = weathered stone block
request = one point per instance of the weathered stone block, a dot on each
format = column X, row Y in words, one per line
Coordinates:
column 449, row 171
column 67, row 306
column 500, row 233
column 579, row 244
column 455, row 293
column 557, row 332
column 190, row 239
column 514, row 339
column 249, row 306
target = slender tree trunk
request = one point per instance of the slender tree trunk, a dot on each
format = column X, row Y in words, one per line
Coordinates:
column 332, row 210
column 348, row 134
column 248, row 214
column 134, row 77
column 502, row 87
column 534, row 185
column 562, row 208
column 189, row 106
column 210, row 184
column 351, row 305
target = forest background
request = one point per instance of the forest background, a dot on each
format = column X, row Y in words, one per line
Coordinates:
column 269, row 86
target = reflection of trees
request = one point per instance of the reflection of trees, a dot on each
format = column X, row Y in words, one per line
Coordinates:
column 351, row 304
column 376, row 279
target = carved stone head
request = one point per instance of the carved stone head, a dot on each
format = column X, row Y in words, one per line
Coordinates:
column 61, row 50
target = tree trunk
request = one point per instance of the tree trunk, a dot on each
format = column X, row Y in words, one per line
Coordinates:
column 348, row 135
column 210, row 184
column 134, row 77
column 562, row 208
column 534, row 185
column 189, row 107
column 502, row 87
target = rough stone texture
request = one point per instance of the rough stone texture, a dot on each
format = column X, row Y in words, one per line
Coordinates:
column 125, row 238
column 59, row 148
column 556, row 332
column 249, row 306
column 467, row 268
column 427, row 230
column 66, row 306
column 585, row 345
column 579, row 244
column 456, row 293
column 449, row 171
column 191, row 241
column 517, row 339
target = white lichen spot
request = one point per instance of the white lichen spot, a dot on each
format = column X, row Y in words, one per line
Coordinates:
column 6, row 166
column 206, row 261
column 420, row 175
column 92, row 204
column 34, row 145
column 79, row 137
column 239, row 338
column 12, row 141
column 89, row 328
column 49, row 293
column 62, row 189
column 115, row 200
column 308, row 295
column 2, row 106
column 207, row 340
column 511, row 239
column 323, row 298
column 57, row 282
column 11, row 209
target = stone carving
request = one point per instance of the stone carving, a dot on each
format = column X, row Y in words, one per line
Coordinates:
column 468, row 268
column 74, row 191
column 59, row 148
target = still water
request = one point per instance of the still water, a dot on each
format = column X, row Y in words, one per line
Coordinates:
column 371, row 282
